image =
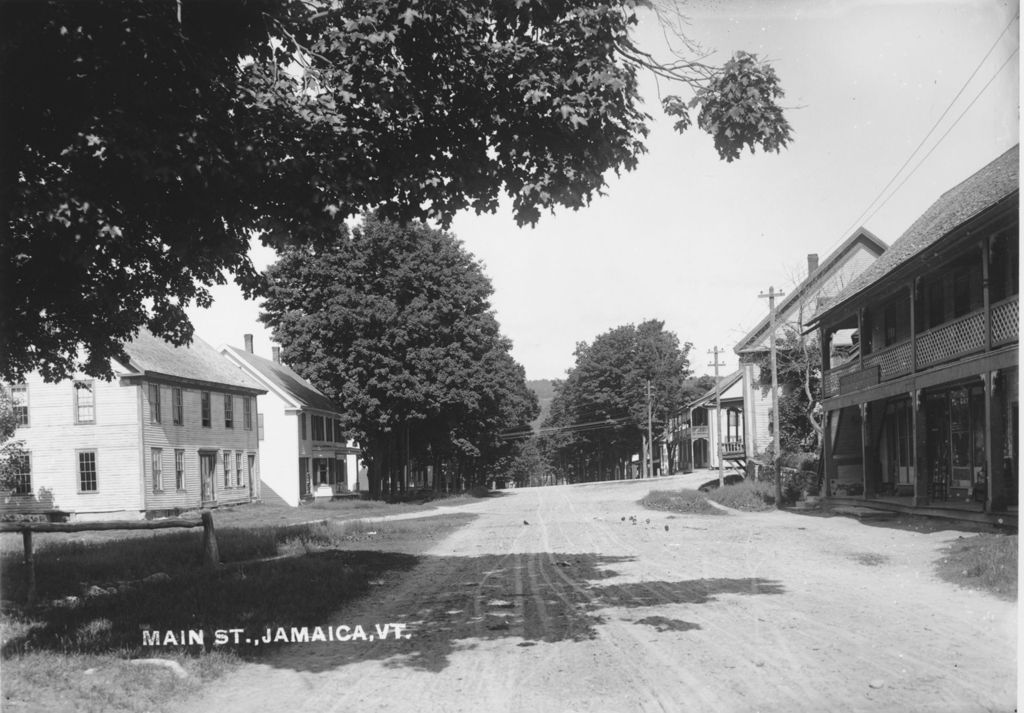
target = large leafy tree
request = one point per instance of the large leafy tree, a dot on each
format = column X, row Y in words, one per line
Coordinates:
column 599, row 413
column 144, row 142
column 394, row 323
column 798, row 363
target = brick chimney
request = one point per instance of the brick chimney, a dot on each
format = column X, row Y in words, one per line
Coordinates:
column 812, row 263
column 248, row 342
column 276, row 354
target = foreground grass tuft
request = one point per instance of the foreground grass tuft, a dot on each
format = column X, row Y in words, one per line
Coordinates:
column 686, row 501
column 985, row 562
column 746, row 495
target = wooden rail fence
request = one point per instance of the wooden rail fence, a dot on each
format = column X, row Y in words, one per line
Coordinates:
column 210, row 552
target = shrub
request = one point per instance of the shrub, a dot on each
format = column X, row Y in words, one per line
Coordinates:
column 746, row 495
column 794, row 482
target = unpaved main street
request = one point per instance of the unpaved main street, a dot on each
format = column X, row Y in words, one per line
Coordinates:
column 550, row 601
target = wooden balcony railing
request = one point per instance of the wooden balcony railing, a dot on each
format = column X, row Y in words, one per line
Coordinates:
column 951, row 340
column 1005, row 321
column 892, row 361
column 732, row 449
column 944, row 343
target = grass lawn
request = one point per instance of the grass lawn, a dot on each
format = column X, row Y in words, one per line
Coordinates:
column 98, row 595
column 686, row 501
column 745, row 495
column 987, row 562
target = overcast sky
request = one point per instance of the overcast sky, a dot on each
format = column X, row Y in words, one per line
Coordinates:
column 692, row 240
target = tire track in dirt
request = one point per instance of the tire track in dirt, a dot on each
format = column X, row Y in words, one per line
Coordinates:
column 625, row 645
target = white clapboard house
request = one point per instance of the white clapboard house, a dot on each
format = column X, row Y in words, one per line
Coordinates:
column 174, row 430
column 305, row 453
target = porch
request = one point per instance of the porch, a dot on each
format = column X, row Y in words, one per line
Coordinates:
column 950, row 509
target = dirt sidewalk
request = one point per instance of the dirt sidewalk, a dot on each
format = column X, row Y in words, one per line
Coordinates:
column 552, row 601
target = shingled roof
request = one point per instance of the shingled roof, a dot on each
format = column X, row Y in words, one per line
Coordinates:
column 288, row 383
column 149, row 355
column 993, row 183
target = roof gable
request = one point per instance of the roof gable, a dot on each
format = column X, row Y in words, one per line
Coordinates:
column 995, row 182
column 727, row 383
column 284, row 380
column 815, row 286
column 149, row 355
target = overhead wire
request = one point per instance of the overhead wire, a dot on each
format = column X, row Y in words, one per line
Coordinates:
column 868, row 213
column 941, row 138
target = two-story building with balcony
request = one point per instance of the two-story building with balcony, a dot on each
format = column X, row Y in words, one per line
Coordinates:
column 305, row 452
column 718, row 411
column 920, row 359
column 175, row 429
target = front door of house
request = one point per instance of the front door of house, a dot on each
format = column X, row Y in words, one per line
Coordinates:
column 207, row 472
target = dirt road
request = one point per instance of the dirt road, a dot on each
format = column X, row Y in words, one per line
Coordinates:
column 550, row 601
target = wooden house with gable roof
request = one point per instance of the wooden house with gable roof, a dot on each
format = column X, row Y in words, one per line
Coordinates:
column 305, row 452
column 174, row 430
column 922, row 412
column 824, row 280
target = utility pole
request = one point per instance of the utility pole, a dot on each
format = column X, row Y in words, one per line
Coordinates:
column 650, row 434
column 718, row 414
column 772, row 294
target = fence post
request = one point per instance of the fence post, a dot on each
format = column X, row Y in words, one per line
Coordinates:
column 30, row 563
column 211, row 555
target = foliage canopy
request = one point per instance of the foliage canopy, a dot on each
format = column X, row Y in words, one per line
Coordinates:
column 144, row 143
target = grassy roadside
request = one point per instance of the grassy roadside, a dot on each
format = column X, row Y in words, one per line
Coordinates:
column 748, row 496
column 987, row 562
column 98, row 598
column 685, row 501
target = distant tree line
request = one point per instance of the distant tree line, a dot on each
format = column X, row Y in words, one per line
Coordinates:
column 599, row 415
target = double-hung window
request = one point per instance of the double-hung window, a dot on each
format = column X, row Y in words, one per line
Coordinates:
column 22, row 465
column 88, row 481
column 179, row 469
column 154, row 403
column 85, row 402
column 227, row 469
column 204, row 403
column 229, row 411
column 247, row 413
column 157, row 458
column 19, row 402
column 177, row 406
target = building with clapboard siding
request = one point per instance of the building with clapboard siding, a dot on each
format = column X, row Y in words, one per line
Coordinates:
column 792, row 313
column 305, row 452
column 174, row 430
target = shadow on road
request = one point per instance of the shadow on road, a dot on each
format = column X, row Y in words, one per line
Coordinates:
column 444, row 604
column 527, row 598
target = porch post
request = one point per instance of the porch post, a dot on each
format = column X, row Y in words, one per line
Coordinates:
column 995, row 496
column 922, row 495
column 865, row 451
column 826, row 453
column 986, row 298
